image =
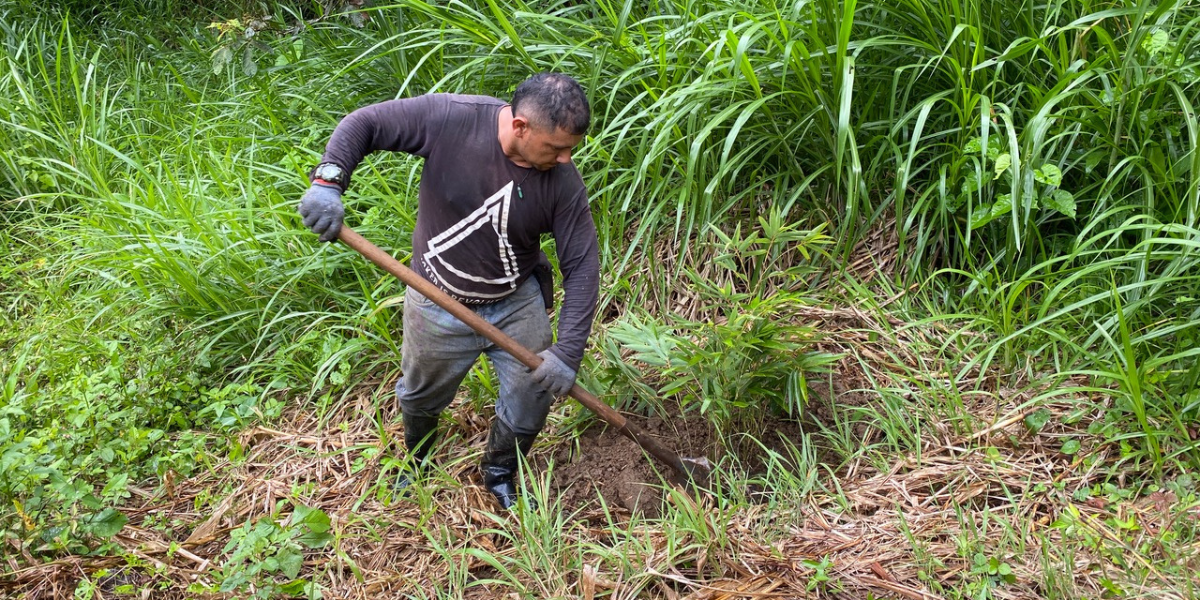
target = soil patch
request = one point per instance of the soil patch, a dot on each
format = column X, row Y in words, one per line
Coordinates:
column 604, row 464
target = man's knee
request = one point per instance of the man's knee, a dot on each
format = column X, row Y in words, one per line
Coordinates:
column 526, row 416
column 523, row 426
column 415, row 405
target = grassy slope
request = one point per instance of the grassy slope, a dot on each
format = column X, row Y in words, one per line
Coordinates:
column 1020, row 393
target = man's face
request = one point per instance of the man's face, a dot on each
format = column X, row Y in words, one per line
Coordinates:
column 544, row 149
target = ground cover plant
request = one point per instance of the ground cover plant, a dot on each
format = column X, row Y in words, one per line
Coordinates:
column 920, row 277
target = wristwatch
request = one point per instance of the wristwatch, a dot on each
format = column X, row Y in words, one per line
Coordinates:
column 329, row 173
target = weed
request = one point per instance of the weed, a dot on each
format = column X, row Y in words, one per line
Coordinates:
column 266, row 557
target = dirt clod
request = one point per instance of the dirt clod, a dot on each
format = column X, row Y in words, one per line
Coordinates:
column 605, row 464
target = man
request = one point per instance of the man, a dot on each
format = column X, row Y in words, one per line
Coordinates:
column 496, row 177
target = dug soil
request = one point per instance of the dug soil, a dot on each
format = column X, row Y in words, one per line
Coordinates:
column 604, row 465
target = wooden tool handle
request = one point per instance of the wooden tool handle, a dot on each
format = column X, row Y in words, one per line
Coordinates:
column 410, row 278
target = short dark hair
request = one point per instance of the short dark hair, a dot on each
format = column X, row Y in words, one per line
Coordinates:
column 553, row 100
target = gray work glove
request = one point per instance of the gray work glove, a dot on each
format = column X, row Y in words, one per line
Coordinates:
column 321, row 207
column 554, row 375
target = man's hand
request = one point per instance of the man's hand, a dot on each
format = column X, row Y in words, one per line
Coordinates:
column 321, row 207
column 554, row 375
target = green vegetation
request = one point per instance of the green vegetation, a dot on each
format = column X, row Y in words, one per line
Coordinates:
column 937, row 233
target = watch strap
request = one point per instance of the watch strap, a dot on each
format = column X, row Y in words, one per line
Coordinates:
column 341, row 181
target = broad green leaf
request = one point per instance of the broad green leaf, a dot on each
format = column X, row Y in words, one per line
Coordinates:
column 1070, row 446
column 994, row 149
column 234, row 581
column 108, row 523
column 313, row 518
column 314, row 539
column 1155, row 42
column 249, row 66
column 1061, row 201
column 223, row 56
column 295, row 587
column 317, row 521
column 1048, row 174
column 971, row 182
column 973, row 146
column 981, row 215
column 1036, row 420
column 1003, row 162
column 290, row 562
column 73, row 490
column 116, row 486
column 1002, row 206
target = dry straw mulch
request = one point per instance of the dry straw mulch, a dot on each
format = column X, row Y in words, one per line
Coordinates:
column 888, row 531
column 892, row 532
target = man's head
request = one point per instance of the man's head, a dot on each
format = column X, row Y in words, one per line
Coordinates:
column 550, row 116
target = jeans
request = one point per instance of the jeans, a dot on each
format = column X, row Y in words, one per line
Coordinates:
column 438, row 351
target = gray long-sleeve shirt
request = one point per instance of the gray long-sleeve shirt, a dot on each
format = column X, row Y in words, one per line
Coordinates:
column 480, row 217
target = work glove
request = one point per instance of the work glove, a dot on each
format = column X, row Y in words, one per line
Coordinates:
column 553, row 374
column 321, row 207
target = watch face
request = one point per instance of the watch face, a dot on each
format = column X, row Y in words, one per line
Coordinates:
column 329, row 172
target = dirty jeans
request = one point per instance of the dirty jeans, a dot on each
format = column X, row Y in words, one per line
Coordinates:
column 439, row 350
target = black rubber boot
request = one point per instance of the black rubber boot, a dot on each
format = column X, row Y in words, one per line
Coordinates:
column 500, row 460
column 420, row 436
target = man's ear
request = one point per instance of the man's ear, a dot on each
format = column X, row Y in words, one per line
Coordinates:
column 520, row 125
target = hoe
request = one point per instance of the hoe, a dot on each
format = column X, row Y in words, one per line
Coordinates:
column 691, row 470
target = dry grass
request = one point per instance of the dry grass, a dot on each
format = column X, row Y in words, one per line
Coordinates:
column 889, row 526
column 896, row 532
column 909, row 529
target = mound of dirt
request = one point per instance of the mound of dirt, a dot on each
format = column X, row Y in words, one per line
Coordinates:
column 604, row 464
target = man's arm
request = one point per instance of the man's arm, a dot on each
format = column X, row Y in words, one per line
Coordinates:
column 579, row 261
column 408, row 125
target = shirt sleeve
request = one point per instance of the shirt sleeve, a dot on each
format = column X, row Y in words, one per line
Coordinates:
column 579, row 261
column 408, row 125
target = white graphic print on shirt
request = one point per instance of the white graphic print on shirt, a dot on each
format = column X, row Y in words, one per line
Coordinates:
column 494, row 212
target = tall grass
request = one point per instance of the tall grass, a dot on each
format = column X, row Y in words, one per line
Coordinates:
column 181, row 208
column 1034, row 157
column 702, row 106
column 158, row 283
column 1037, row 163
